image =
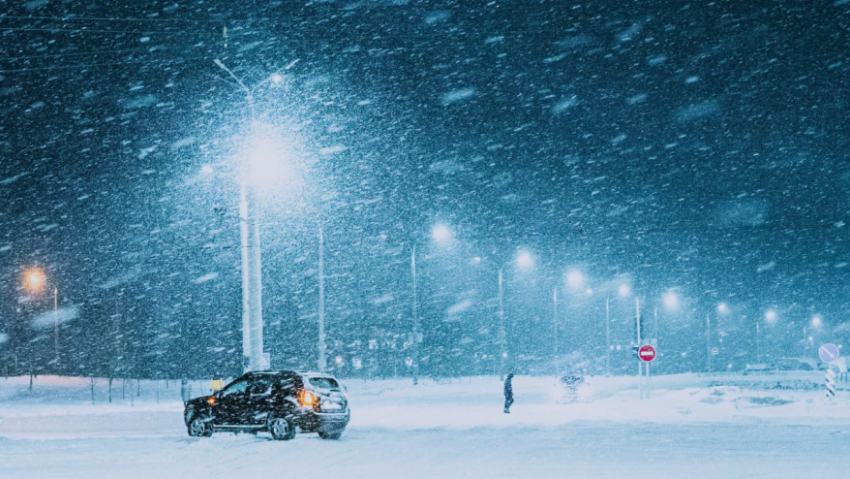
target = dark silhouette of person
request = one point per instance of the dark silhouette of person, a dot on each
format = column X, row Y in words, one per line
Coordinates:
column 509, row 393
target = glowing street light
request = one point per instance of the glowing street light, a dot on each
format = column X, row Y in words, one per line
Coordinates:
column 624, row 290
column 671, row 301
column 770, row 315
column 34, row 280
column 817, row 321
column 575, row 279
column 722, row 308
column 524, row 260
column 441, row 233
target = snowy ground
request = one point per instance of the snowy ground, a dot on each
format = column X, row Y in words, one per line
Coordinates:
column 692, row 427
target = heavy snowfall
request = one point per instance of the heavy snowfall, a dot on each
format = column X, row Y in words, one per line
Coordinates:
column 420, row 198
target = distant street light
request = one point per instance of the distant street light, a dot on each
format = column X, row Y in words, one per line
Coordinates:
column 770, row 315
column 817, row 321
column 671, row 301
column 524, row 260
column 623, row 291
column 721, row 309
column 575, row 279
column 441, row 233
column 34, row 280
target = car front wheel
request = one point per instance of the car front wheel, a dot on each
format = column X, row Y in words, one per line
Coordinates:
column 281, row 429
column 199, row 427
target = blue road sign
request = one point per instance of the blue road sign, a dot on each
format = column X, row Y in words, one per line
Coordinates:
column 828, row 353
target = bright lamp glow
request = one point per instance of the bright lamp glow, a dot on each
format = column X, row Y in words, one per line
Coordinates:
column 575, row 279
column 624, row 290
column 269, row 160
column 34, row 279
column 276, row 78
column 524, row 260
column 770, row 315
column 817, row 321
column 671, row 300
column 722, row 308
column 207, row 170
column 441, row 233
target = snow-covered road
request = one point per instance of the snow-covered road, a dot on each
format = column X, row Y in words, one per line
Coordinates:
column 687, row 430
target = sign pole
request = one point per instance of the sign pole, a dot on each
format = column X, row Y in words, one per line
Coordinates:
column 708, row 341
column 637, row 330
column 646, row 354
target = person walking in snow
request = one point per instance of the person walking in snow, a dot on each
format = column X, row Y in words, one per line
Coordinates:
column 509, row 393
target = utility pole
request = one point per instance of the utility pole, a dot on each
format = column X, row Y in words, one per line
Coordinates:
column 252, row 283
column 607, row 336
column 502, row 334
column 256, row 285
column 246, row 284
column 322, row 360
column 415, row 318
column 655, row 325
column 708, row 341
column 637, row 329
column 555, row 325
column 56, row 326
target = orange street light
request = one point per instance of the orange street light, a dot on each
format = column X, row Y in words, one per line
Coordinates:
column 34, row 279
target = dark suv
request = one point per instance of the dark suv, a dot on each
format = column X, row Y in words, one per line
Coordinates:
column 272, row 401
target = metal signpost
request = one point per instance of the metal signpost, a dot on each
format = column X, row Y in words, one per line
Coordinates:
column 646, row 354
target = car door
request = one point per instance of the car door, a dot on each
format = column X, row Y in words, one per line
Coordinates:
column 259, row 401
column 230, row 402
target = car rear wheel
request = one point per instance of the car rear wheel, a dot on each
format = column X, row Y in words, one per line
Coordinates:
column 281, row 429
column 200, row 427
column 332, row 434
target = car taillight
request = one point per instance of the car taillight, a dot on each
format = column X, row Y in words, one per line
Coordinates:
column 307, row 398
column 211, row 401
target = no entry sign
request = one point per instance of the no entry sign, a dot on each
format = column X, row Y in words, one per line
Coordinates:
column 646, row 353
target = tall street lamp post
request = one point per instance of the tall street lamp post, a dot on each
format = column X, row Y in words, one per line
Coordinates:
column 416, row 326
column 322, row 361
column 56, row 326
column 524, row 261
column 249, row 227
column 555, row 344
column 503, row 351
column 441, row 234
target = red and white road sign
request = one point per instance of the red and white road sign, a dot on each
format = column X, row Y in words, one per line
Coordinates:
column 646, row 353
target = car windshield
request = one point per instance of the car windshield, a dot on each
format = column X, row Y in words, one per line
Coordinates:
column 324, row 383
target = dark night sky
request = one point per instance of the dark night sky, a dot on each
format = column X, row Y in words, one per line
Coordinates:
column 698, row 146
